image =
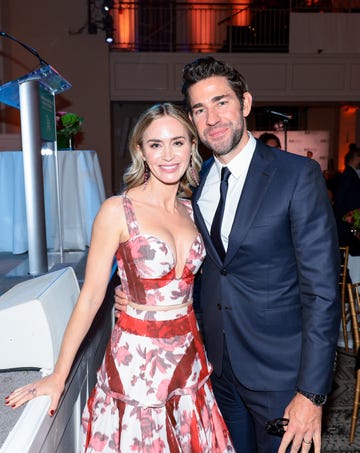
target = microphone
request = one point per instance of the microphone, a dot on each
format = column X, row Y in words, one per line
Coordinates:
column 281, row 115
column 30, row 49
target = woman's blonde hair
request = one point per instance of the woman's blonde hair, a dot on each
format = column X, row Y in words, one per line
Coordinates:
column 134, row 176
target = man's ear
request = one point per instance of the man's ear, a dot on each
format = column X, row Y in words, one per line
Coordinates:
column 247, row 103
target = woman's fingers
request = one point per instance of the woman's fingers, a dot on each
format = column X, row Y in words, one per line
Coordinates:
column 21, row 396
column 54, row 405
column 46, row 386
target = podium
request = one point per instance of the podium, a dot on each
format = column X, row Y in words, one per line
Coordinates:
column 34, row 94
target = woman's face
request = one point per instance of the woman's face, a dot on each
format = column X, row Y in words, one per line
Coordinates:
column 166, row 147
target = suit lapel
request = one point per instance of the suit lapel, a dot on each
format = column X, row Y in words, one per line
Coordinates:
column 257, row 180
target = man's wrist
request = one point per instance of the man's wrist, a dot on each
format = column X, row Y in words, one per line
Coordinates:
column 315, row 398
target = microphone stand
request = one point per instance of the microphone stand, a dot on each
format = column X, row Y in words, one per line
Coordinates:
column 285, row 120
column 285, row 123
column 33, row 173
column 25, row 46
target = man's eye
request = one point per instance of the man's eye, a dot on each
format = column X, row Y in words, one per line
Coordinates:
column 222, row 103
column 198, row 112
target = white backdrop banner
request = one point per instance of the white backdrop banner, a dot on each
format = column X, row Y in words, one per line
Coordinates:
column 301, row 142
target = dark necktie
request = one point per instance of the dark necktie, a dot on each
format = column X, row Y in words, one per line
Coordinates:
column 215, row 231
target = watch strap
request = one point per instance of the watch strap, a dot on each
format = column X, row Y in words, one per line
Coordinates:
column 317, row 399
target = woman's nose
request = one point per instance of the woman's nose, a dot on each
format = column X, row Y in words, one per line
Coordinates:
column 168, row 152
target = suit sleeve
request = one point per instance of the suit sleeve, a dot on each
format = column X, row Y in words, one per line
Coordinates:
column 315, row 241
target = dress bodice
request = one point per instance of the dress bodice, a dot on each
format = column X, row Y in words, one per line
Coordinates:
column 147, row 265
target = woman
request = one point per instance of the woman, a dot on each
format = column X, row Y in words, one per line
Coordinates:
column 153, row 392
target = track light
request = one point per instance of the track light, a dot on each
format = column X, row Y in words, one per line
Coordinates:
column 108, row 24
column 109, row 38
column 108, row 5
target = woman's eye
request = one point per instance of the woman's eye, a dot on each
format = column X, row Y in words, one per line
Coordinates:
column 154, row 145
column 178, row 143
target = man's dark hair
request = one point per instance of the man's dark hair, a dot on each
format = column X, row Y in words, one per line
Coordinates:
column 266, row 136
column 351, row 154
column 203, row 68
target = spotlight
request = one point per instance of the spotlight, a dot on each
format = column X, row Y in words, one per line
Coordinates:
column 109, row 38
column 108, row 5
column 108, row 24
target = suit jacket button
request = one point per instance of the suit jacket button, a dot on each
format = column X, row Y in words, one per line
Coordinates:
column 218, row 306
column 223, row 272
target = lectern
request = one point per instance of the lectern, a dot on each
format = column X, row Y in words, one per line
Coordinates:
column 34, row 94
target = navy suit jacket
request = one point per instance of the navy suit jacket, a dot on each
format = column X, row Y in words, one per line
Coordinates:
column 275, row 297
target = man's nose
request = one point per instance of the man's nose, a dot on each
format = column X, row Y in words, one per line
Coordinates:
column 212, row 116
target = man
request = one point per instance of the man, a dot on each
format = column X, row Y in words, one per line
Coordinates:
column 346, row 198
column 270, row 306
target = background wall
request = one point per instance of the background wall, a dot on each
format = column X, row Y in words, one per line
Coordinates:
column 321, row 73
column 58, row 31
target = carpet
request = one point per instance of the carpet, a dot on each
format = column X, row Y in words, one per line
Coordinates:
column 338, row 411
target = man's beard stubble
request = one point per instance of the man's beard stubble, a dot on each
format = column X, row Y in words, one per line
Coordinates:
column 224, row 148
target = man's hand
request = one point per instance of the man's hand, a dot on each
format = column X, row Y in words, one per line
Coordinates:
column 120, row 301
column 304, row 428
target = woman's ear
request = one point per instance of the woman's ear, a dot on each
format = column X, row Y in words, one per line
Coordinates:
column 138, row 148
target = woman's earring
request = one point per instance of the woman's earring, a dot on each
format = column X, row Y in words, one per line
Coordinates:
column 146, row 173
column 193, row 174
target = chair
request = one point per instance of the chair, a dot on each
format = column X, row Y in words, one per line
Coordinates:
column 343, row 280
column 354, row 304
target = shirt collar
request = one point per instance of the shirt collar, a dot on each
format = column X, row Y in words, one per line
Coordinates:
column 241, row 161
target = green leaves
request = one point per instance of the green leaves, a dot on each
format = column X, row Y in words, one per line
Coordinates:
column 68, row 123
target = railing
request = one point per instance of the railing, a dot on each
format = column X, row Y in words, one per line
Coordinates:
column 325, row 6
column 248, row 26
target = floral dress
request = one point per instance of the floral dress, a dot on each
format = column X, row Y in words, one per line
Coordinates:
column 153, row 392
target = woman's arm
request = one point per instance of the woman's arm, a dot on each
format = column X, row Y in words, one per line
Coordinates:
column 106, row 235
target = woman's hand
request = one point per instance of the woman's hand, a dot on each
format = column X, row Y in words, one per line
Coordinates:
column 121, row 301
column 51, row 385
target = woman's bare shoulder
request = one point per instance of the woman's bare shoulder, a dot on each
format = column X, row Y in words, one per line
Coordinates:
column 112, row 210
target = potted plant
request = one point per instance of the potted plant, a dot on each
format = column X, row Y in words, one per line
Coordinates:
column 67, row 126
column 353, row 217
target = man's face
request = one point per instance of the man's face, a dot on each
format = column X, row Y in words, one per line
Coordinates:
column 357, row 161
column 218, row 117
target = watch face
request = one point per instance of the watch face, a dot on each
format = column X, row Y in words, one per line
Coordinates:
column 319, row 399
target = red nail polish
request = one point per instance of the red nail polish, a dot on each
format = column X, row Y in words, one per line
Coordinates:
column 13, row 405
column 7, row 397
column 52, row 413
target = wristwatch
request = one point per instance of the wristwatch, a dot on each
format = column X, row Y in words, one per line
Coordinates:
column 318, row 400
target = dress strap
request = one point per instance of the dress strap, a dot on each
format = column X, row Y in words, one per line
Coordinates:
column 131, row 221
column 188, row 205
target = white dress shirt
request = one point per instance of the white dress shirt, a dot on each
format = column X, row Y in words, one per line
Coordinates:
column 210, row 195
